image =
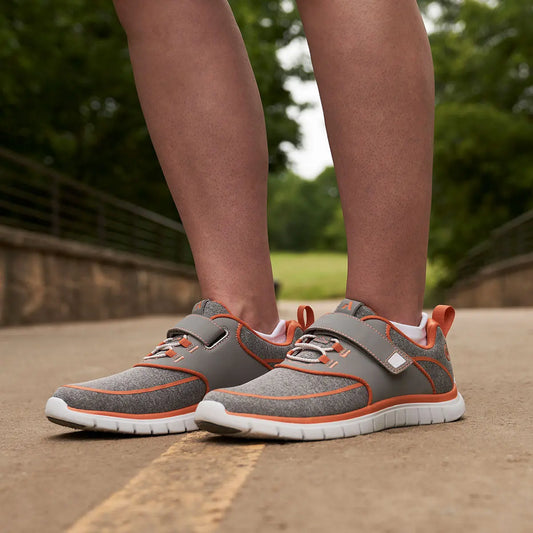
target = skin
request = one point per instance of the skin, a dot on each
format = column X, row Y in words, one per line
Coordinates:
column 374, row 70
column 201, row 103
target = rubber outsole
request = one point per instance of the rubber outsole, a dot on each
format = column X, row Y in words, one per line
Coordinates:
column 212, row 416
column 57, row 411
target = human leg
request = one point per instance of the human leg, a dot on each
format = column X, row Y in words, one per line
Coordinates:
column 373, row 66
column 354, row 371
column 204, row 114
column 203, row 110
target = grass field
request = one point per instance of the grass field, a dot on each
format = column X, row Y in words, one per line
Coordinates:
column 322, row 275
column 311, row 275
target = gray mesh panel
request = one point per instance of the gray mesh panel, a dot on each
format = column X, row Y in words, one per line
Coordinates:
column 209, row 308
column 264, row 349
column 285, row 382
column 437, row 352
column 364, row 311
column 438, row 375
column 136, row 378
column 322, row 406
column 160, row 401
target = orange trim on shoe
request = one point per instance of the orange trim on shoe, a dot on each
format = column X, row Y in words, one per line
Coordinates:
column 247, row 350
column 431, row 382
column 305, row 315
column 178, row 412
column 180, row 369
column 444, row 316
column 303, row 397
column 134, row 391
column 431, row 331
column 431, row 360
column 378, row 406
column 339, row 374
column 291, row 327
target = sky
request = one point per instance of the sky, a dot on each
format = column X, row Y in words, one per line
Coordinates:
column 314, row 155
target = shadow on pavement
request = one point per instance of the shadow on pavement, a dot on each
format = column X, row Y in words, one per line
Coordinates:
column 77, row 436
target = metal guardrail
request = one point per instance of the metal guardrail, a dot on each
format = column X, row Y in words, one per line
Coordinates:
column 36, row 198
column 510, row 240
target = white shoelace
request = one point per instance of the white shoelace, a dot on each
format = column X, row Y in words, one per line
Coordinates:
column 167, row 344
column 307, row 345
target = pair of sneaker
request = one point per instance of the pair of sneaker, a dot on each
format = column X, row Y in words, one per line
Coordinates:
column 351, row 372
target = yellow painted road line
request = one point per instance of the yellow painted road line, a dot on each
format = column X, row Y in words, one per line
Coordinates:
column 187, row 488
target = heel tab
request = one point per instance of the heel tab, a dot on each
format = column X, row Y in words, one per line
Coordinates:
column 306, row 316
column 444, row 316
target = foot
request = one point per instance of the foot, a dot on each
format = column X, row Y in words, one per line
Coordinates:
column 208, row 349
column 352, row 372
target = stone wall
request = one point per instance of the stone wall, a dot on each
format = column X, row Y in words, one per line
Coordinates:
column 505, row 284
column 45, row 279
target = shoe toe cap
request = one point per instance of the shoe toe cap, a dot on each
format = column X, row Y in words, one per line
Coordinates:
column 135, row 392
column 77, row 398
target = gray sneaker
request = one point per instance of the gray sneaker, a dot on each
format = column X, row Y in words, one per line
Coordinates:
column 208, row 349
column 352, row 372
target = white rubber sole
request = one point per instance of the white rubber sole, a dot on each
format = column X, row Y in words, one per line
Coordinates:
column 212, row 416
column 58, row 412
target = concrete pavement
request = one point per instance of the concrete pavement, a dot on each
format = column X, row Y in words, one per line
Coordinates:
column 473, row 475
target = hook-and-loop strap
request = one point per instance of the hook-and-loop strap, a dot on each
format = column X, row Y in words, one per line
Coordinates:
column 199, row 327
column 364, row 336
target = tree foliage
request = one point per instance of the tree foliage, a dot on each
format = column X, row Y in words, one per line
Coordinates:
column 483, row 171
column 67, row 95
column 304, row 214
column 67, row 98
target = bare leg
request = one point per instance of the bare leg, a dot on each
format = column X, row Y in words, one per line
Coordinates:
column 203, row 110
column 374, row 70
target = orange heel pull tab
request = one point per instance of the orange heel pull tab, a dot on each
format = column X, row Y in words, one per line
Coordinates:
column 306, row 316
column 443, row 315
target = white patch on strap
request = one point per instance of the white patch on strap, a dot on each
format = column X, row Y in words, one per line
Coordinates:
column 396, row 360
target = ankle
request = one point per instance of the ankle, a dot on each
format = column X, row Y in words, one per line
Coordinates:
column 402, row 310
column 259, row 315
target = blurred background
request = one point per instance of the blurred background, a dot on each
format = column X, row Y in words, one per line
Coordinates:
column 85, row 215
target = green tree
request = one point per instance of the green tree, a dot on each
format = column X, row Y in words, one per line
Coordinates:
column 67, row 96
column 483, row 175
column 330, row 233
column 289, row 212
column 305, row 214
column 483, row 170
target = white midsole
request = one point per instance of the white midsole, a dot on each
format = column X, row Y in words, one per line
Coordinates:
column 58, row 409
column 407, row 414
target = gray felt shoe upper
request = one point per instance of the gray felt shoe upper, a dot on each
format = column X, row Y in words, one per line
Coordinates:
column 345, row 361
column 208, row 349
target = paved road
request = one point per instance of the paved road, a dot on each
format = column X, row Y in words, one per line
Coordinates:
column 473, row 475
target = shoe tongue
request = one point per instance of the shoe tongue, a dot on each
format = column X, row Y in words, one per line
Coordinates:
column 354, row 308
column 209, row 308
